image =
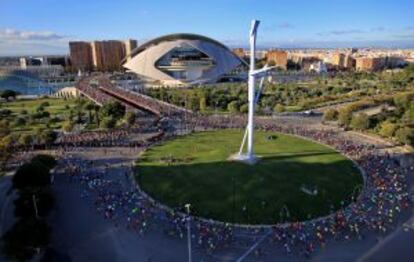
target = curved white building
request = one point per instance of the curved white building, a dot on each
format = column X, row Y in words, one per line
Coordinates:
column 182, row 59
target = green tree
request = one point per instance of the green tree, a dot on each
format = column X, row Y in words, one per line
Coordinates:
column 330, row 115
column 279, row 108
column 344, row 117
column 130, row 118
column 25, row 140
column 68, row 126
column 405, row 135
column 4, row 128
column 244, row 108
column 47, row 136
column 25, row 238
column 113, row 109
column 24, row 206
column 360, row 121
column 47, row 160
column 108, row 122
column 6, row 143
column 40, row 108
column 5, row 112
column 89, row 107
column 45, row 104
column 31, row 176
column 7, row 94
column 96, row 109
column 203, row 104
column 387, row 129
column 403, row 100
column 271, row 63
column 408, row 116
column 232, row 107
column 20, row 121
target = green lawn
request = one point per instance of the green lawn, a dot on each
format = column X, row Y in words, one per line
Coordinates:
column 57, row 109
column 194, row 169
column 55, row 105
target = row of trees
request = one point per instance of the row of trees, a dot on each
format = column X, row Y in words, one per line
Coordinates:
column 106, row 116
column 318, row 91
column 30, row 235
column 9, row 139
column 397, row 123
column 222, row 97
column 9, row 94
column 24, row 119
column 83, row 112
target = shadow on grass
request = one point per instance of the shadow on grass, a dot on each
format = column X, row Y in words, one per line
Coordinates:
column 268, row 192
column 262, row 156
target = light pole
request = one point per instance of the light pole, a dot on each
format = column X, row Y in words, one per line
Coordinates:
column 35, row 206
column 234, row 195
column 187, row 207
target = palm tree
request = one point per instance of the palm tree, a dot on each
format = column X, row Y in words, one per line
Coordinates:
column 96, row 109
column 90, row 106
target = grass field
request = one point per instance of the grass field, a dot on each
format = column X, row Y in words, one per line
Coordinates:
column 58, row 109
column 194, row 169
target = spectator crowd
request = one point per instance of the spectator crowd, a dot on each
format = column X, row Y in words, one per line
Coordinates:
column 376, row 210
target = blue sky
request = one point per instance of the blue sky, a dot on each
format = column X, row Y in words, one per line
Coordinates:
column 46, row 26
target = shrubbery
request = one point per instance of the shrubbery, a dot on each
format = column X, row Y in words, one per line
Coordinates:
column 344, row 117
column 233, row 107
column 330, row 115
column 360, row 121
column 108, row 122
column 279, row 108
column 130, row 118
column 387, row 129
column 405, row 135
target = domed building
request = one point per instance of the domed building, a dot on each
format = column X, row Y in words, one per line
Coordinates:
column 182, row 59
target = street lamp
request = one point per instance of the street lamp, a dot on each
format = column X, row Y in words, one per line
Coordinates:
column 187, row 207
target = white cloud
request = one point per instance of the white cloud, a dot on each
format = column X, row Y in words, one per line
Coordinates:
column 285, row 25
column 18, row 35
column 341, row 32
column 378, row 29
column 21, row 42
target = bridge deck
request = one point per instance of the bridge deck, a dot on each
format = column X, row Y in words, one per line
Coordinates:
column 106, row 91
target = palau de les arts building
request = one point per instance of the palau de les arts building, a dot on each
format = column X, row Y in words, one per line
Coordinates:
column 182, row 59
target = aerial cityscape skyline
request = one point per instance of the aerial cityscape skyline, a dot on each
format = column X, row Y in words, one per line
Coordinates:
column 220, row 130
column 317, row 24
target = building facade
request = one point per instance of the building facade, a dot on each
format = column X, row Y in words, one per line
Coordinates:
column 370, row 63
column 338, row 60
column 81, row 55
column 279, row 58
column 239, row 52
column 100, row 55
column 350, row 62
column 182, row 59
column 130, row 45
column 107, row 55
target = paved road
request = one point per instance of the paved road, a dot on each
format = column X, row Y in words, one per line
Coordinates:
column 397, row 246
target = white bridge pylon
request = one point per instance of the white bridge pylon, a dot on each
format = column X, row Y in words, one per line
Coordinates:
column 254, row 75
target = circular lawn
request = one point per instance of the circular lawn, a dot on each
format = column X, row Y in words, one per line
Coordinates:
column 295, row 179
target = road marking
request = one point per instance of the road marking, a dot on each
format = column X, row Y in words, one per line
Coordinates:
column 254, row 246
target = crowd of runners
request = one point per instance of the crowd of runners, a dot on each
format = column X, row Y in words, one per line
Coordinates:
column 375, row 210
column 148, row 103
column 92, row 91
